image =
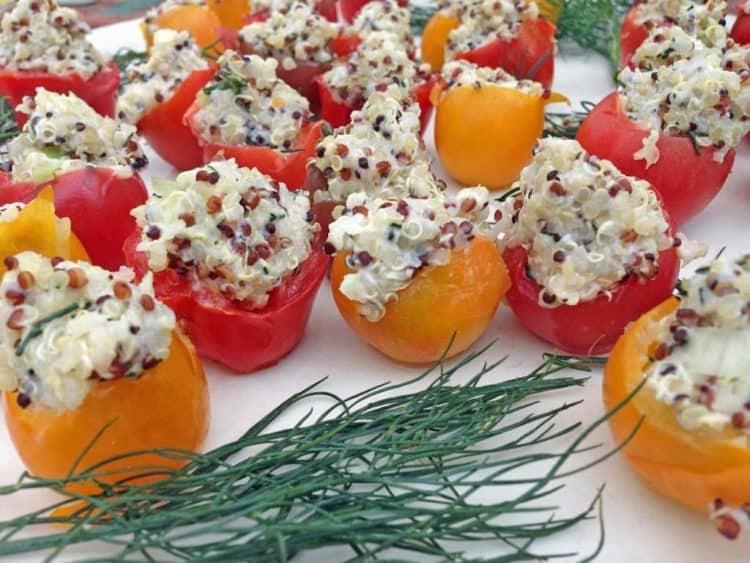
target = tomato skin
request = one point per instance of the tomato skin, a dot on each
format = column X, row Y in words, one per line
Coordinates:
column 230, row 12
column 692, row 468
column 166, row 407
column 344, row 45
column 685, row 181
column 164, row 128
column 201, row 22
column 530, row 55
column 598, row 323
column 631, row 36
column 289, row 168
column 100, row 91
column 350, row 8
column 459, row 298
column 242, row 340
column 435, row 37
column 741, row 28
column 98, row 204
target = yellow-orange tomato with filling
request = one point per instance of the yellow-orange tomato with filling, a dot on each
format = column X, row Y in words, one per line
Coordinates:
column 435, row 38
column 460, row 297
column 165, row 407
column 486, row 135
column 200, row 21
column 692, row 467
column 231, row 12
column 37, row 228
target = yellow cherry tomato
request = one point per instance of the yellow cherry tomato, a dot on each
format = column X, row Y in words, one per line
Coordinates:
column 435, row 37
column 37, row 228
column 200, row 21
column 550, row 9
column 460, row 297
column 231, row 12
column 692, row 467
column 486, row 135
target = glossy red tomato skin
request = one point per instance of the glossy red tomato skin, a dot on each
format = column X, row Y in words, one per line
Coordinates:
column 741, row 28
column 631, row 36
column 100, row 91
column 530, row 55
column 302, row 78
column 289, row 168
column 591, row 327
column 98, row 203
column 243, row 340
column 685, row 181
column 350, row 8
column 163, row 126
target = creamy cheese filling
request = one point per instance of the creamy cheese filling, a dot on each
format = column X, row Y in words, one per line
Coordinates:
column 66, row 325
column 173, row 57
column 585, row 225
column 232, row 230
column 63, row 134
column 246, row 104
column 483, row 21
column 9, row 211
column 463, row 73
column 680, row 86
column 385, row 15
column 388, row 240
column 296, row 35
column 40, row 36
column 381, row 140
column 705, row 19
column 701, row 367
column 379, row 61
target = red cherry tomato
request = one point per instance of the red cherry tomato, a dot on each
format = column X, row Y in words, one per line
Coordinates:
column 591, row 327
column 344, row 45
column 241, row 339
column 529, row 55
column 99, row 91
column 350, row 8
column 741, row 28
column 98, row 204
column 685, row 180
column 302, row 78
column 631, row 36
column 287, row 167
column 163, row 126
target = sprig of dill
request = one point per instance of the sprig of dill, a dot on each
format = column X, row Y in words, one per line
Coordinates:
column 8, row 125
column 566, row 124
column 126, row 56
column 376, row 472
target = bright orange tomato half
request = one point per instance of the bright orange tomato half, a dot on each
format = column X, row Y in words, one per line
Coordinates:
column 231, row 12
column 486, row 135
column 37, row 228
column 693, row 468
column 435, row 37
column 166, row 407
column 460, row 297
column 200, row 21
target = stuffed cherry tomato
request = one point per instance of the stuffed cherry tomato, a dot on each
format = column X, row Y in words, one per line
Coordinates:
column 300, row 40
column 235, row 255
column 586, row 247
column 675, row 125
column 412, row 277
column 86, row 348
column 381, row 59
column 45, row 46
column 35, row 227
column 497, row 116
column 90, row 161
column 741, row 28
column 193, row 16
column 159, row 93
column 510, row 36
column 248, row 114
column 262, row 9
column 350, row 9
column 693, row 405
column 379, row 151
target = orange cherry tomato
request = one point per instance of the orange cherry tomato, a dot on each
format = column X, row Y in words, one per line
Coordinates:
column 200, row 21
column 550, row 9
column 37, row 228
column 166, row 407
column 460, row 297
column 231, row 12
column 692, row 467
column 486, row 135
column 435, row 37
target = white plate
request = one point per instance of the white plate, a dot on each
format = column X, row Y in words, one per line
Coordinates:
column 640, row 526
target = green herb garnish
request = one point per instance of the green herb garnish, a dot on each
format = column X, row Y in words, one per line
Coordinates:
column 38, row 326
column 566, row 124
column 8, row 125
column 225, row 79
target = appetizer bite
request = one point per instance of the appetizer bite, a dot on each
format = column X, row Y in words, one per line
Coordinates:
column 588, row 248
column 686, row 363
column 676, row 118
column 380, row 60
column 507, row 35
column 247, row 113
column 384, row 15
column 703, row 19
column 193, row 16
column 159, row 93
column 236, row 256
column 262, row 9
column 44, row 46
column 352, row 9
column 412, row 276
column 486, row 109
column 300, row 40
column 83, row 351
column 90, row 161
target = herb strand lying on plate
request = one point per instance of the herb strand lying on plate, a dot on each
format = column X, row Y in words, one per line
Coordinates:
column 378, row 473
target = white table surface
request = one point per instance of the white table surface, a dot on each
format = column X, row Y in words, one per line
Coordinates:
column 640, row 526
